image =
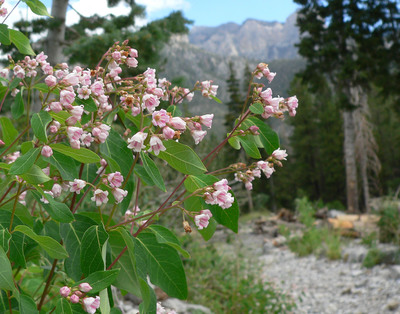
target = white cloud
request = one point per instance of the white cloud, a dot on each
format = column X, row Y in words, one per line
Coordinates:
column 157, row 5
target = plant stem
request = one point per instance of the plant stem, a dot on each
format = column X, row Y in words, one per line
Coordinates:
column 8, row 191
column 16, row 140
column 46, row 288
column 9, row 301
column 14, row 207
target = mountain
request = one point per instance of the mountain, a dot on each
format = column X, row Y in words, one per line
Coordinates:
column 191, row 58
column 253, row 39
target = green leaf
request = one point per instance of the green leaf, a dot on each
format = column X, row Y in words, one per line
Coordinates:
column 20, row 211
column 162, row 263
column 182, row 158
column 63, row 306
column 166, row 236
column 64, row 164
column 27, row 305
column 21, row 42
column 216, row 99
column 4, row 35
column 234, row 142
column 26, row 147
column 9, row 132
column 6, row 279
column 249, row 146
column 37, row 7
column 257, row 108
column 100, row 280
column 91, row 247
column 149, row 304
column 51, row 246
column 17, row 107
column 82, row 155
column 116, row 148
column 42, row 87
column 174, row 111
column 39, row 122
column 35, row 175
column 57, row 210
column 227, row 217
column 268, row 137
column 143, row 175
column 15, row 82
column 5, row 238
column 128, row 278
column 72, row 234
column 153, row 171
column 25, row 162
column 88, row 104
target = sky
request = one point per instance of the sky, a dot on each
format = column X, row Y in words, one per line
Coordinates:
column 202, row 12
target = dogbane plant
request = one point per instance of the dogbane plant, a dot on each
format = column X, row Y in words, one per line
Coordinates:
column 70, row 218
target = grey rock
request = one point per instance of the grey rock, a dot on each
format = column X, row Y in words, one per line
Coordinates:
column 184, row 307
column 392, row 305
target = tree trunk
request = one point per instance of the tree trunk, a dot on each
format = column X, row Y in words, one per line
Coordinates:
column 350, row 161
column 56, row 34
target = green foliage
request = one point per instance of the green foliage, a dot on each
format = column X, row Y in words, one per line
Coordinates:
column 373, row 257
column 314, row 240
column 231, row 283
column 389, row 224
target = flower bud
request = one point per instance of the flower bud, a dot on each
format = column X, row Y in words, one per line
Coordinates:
column 65, row 291
column 85, row 287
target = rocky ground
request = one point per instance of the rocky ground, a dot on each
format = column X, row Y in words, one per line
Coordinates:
column 318, row 285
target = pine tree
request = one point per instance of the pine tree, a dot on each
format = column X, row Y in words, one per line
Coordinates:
column 353, row 44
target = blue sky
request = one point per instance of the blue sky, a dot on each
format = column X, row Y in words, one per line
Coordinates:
column 216, row 12
column 202, row 12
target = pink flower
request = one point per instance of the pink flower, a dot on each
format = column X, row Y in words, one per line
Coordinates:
column 56, row 189
column 100, row 197
column 177, row 123
column 150, row 102
column 87, row 139
column 208, row 90
column 116, row 55
column 67, row 97
column 84, row 92
column 50, row 81
column 74, row 133
column 198, row 136
column 3, row 12
column 265, row 167
column 279, row 154
column 90, row 305
column 77, row 112
column 54, row 126
column 72, row 78
column 223, row 199
column 55, row 106
column 97, row 88
column 168, row 133
column 85, row 287
column 222, row 185
column 202, row 220
column 160, row 118
column 74, row 298
column 266, row 95
column 65, row 291
column 136, row 141
column 254, row 130
column 47, row 151
column 77, row 186
column 156, row 145
column 207, row 120
column 133, row 53
column 115, row 179
column 131, row 62
column 119, row 195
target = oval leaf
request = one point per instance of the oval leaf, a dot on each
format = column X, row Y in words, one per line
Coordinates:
column 4, row 35
column 37, row 7
column 39, row 122
column 35, row 175
column 6, row 279
column 25, row 162
column 21, row 42
column 182, row 158
column 51, row 246
column 153, row 171
column 100, row 280
column 83, row 155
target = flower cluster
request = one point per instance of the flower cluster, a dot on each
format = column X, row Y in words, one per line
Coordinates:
column 3, row 11
column 247, row 175
column 218, row 194
column 202, row 219
column 78, row 295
